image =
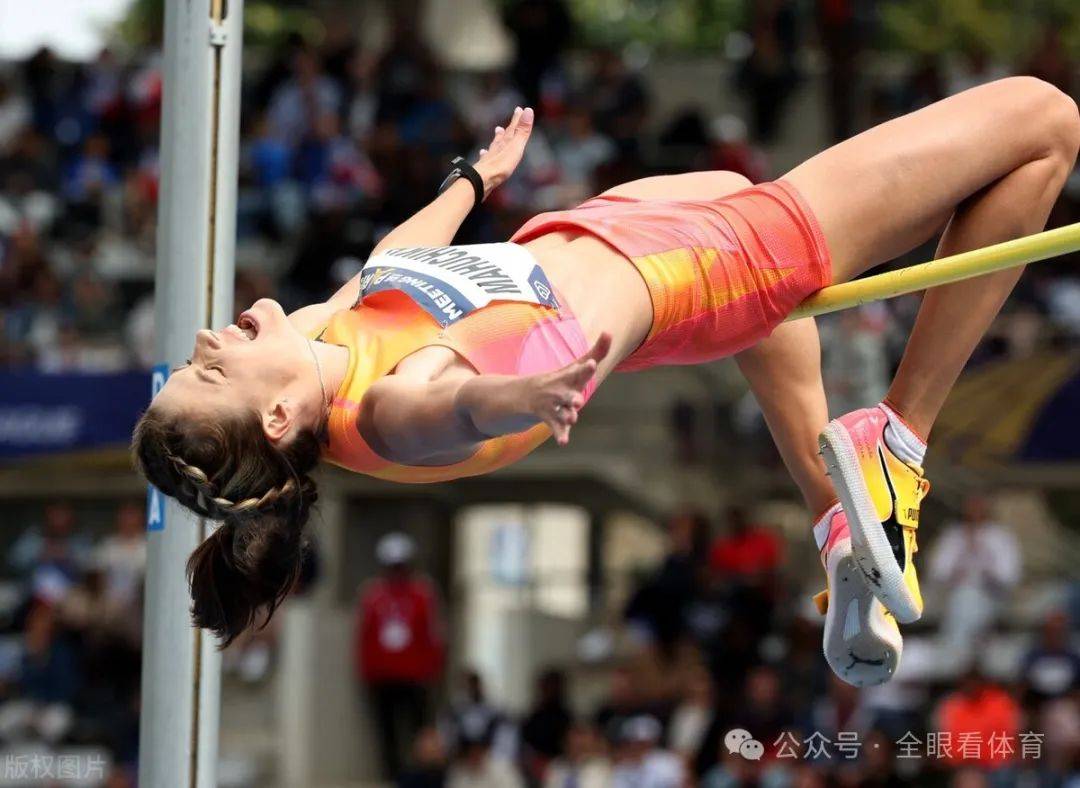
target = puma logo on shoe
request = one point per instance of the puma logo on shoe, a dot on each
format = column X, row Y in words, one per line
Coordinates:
column 857, row 660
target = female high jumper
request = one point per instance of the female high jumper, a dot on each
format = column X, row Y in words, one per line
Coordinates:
column 438, row 361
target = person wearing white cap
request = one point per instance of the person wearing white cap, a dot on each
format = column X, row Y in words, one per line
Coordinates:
column 643, row 763
column 395, row 550
column 399, row 646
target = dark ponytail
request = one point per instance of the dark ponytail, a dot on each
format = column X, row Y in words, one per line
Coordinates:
column 238, row 571
column 228, row 470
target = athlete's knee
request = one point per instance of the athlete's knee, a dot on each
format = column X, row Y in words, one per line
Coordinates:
column 1066, row 133
column 1062, row 124
column 1050, row 114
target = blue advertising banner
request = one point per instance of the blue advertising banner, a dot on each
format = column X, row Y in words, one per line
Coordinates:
column 49, row 414
column 155, row 500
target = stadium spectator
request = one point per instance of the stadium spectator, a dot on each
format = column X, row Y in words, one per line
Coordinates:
column 585, row 763
column 489, row 102
column 308, row 94
column 90, row 176
column 472, row 711
column 544, row 729
column 476, row 765
column 1060, row 720
column 731, row 770
column 982, row 721
column 1061, row 296
column 619, row 99
column 843, row 38
column 55, row 542
column 625, row 700
column 659, row 606
column 745, row 559
column 856, row 364
column 121, row 557
column 730, row 149
column 361, row 101
column 805, row 678
column 691, row 718
column 14, row 112
column 685, row 433
column 1051, row 669
column 48, row 682
column 841, row 709
column 755, row 703
column 542, row 29
column 768, row 76
column 878, row 762
column 747, row 552
column 976, row 561
column 406, row 66
column 641, row 762
column 580, row 150
column 764, row 711
column 399, row 646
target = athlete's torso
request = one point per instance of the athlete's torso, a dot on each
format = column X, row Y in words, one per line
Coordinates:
column 428, row 313
column 600, row 286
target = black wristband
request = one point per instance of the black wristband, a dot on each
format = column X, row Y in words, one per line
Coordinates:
column 462, row 169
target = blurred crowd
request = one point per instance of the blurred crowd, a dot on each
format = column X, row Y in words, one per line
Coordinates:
column 338, row 145
column 339, row 142
column 722, row 683
column 71, row 644
column 718, row 650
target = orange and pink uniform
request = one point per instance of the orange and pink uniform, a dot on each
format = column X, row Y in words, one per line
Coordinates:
column 722, row 274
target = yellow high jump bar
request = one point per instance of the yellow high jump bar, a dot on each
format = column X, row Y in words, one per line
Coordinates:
column 943, row 271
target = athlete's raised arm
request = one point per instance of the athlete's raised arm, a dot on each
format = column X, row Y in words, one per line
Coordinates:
column 437, row 223
column 415, row 422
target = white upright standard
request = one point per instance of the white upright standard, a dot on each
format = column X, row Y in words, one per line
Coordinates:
column 200, row 122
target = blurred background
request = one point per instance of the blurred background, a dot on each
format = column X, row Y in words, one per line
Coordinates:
column 596, row 616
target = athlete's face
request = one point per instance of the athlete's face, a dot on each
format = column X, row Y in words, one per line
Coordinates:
column 258, row 363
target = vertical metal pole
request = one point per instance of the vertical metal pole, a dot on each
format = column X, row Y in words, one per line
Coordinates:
column 200, row 123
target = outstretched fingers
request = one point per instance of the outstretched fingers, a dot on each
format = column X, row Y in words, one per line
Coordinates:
column 501, row 157
column 565, row 389
column 598, row 352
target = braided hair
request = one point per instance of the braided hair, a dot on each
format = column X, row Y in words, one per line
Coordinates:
column 226, row 469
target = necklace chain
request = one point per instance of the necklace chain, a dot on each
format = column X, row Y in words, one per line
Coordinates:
column 318, row 371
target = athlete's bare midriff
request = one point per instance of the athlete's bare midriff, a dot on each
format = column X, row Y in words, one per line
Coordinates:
column 600, row 287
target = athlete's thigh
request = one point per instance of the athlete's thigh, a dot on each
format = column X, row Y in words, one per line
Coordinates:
column 709, row 185
column 885, row 191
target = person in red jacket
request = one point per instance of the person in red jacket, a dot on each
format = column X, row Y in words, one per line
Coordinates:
column 399, row 646
column 981, row 721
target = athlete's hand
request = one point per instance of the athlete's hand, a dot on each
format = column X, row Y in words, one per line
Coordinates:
column 501, row 157
column 556, row 397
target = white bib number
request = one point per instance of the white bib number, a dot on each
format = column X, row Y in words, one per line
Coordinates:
column 449, row 282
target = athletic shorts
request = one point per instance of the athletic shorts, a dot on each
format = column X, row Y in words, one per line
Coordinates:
column 722, row 274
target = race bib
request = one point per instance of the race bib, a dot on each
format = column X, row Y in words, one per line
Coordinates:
column 449, row 282
column 395, row 635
